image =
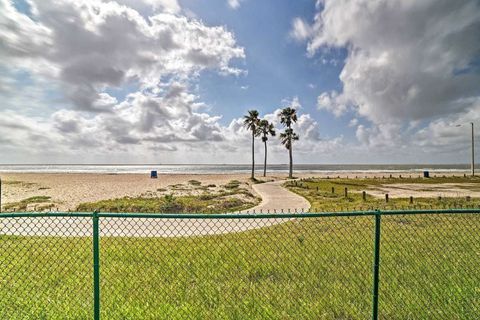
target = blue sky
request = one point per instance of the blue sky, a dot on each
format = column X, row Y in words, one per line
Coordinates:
column 278, row 67
column 131, row 81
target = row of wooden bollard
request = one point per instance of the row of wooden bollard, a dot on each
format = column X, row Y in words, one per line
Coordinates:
column 364, row 194
column 399, row 176
column 468, row 198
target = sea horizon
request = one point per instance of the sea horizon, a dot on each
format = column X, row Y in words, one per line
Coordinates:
column 226, row 168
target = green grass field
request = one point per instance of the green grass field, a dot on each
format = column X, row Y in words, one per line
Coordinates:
column 319, row 193
column 315, row 268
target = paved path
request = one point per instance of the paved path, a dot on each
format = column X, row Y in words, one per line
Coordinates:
column 274, row 197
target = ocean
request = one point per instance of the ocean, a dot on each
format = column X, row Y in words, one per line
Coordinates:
column 230, row 168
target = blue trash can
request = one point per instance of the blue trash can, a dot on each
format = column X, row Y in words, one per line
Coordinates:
column 153, row 174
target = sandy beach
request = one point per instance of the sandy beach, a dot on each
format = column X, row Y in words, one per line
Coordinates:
column 68, row 190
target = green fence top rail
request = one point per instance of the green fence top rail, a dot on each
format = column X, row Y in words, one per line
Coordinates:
column 236, row 215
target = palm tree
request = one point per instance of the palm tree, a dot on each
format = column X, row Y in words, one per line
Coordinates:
column 251, row 122
column 266, row 128
column 288, row 116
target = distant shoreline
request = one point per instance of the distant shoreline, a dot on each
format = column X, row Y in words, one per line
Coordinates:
column 236, row 169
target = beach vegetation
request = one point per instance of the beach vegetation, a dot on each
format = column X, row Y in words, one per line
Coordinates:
column 18, row 183
column 23, row 204
column 194, row 182
column 232, row 184
column 221, row 202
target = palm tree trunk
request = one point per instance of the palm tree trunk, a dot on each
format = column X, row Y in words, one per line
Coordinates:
column 265, row 161
column 290, row 174
column 253, row 155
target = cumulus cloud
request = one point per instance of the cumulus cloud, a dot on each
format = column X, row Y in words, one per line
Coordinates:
column 88, row 49
column 353, row 122
column 170, row 6
column 91, row 45
column 408, row 62
column 451, row 134
column 332, row 102
column 234, row 4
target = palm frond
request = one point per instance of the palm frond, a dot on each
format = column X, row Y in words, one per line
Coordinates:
column 288, row 116
column 251, row 121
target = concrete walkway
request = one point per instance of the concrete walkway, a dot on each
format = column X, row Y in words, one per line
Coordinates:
column 274, row 197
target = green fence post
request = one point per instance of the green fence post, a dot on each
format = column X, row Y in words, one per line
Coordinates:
column 376, row 264
column 96, row 267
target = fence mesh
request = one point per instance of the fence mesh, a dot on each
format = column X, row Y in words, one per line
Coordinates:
column 430, row 267
column 308, row 267
column 45, row 268
column 301, row 268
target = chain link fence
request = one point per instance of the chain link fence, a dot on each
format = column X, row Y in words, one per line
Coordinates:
column 239, row 266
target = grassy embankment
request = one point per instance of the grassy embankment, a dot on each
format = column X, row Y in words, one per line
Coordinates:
column 229, row 198
column 319, row 193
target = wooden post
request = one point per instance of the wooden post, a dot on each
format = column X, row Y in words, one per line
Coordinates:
column 468, row 198
column 386, row 197
column 411, row 200
column 333, row 190
column 364, row 196
column 346, row 192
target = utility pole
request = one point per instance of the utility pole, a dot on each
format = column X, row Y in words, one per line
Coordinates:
column 473, row 150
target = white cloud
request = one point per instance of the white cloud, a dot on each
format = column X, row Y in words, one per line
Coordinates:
column 170, row 6
column 112, row 45
column 404, row 57
column 332, row 102
column 86, row 49
column 292, row 103
column 451, row 134
column 300, row 29
column 408, row 62
column 234, row 4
